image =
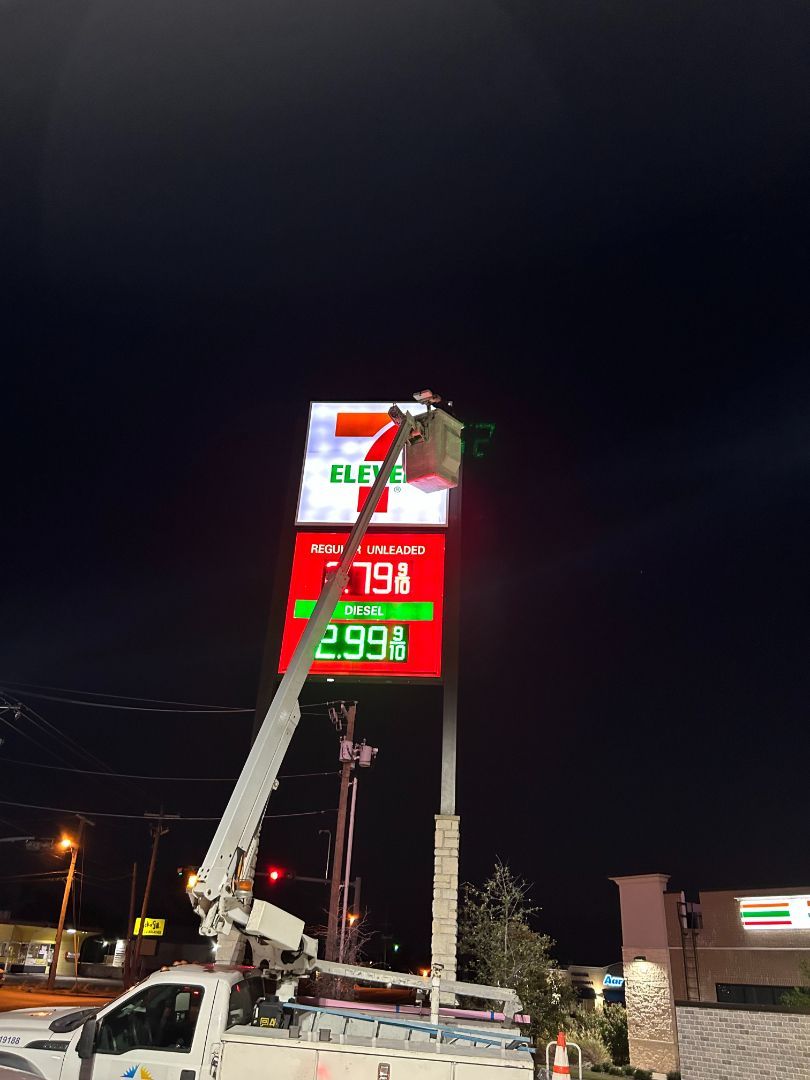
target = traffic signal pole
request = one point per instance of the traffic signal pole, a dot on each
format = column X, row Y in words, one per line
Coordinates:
column 349, row 712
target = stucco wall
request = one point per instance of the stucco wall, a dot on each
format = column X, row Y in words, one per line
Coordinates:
column 742, row 1042
column 650, row 1011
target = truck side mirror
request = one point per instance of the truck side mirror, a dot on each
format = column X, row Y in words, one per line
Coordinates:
column 86, row 1045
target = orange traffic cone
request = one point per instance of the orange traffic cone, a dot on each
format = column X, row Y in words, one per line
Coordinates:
column 561, row 1067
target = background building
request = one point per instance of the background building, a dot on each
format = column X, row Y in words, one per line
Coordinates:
column 27, row 948
column 597, row 986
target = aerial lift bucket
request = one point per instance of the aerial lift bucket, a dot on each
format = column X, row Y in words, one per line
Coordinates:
column 433, row 462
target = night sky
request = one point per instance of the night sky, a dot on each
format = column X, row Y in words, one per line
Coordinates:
column 585, row 222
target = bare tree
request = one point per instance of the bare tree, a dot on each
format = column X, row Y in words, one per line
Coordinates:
column 355, row 942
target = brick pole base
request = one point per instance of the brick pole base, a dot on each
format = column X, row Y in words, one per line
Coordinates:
column 445, row 896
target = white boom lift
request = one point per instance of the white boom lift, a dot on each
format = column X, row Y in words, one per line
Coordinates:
column 222, row 894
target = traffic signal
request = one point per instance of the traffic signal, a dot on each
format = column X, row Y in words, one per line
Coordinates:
column 279, row 873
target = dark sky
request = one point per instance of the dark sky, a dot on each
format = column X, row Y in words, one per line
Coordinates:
column 585, row 222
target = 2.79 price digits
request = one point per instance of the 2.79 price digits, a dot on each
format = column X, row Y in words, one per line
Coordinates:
column 366, row 642
column 376, row 579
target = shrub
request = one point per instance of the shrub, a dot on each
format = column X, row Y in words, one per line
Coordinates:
column 616, row 1070
column 674, row 1075
column 613, row 1029
column 643, row 1074
column 628, row 1070
column 592, row 1047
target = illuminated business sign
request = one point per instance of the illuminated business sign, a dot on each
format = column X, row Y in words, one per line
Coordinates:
column 613, row 980
column 775, row 912
column 151, row 927
column 388, row 620
column 346, row 444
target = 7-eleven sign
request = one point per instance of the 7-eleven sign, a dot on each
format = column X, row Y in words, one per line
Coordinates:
column 346, row 444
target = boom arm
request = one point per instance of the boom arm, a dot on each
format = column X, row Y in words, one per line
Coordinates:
column 221, row 896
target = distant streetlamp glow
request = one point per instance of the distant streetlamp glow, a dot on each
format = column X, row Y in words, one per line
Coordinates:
column 65, row 843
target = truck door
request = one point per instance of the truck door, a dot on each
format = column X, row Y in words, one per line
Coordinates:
column 153, row 1035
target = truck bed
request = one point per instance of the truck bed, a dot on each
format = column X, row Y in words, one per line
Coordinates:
column 251, row 1053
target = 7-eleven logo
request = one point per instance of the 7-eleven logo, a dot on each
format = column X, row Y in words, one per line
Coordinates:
column 347, row 442
column 359, row 425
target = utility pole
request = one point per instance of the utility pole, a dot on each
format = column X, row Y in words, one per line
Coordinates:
column 157, row 831
column 130, row 929
column 349, row 712
column 74, row 853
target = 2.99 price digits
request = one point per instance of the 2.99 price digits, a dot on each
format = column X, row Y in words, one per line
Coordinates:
column 366, row 642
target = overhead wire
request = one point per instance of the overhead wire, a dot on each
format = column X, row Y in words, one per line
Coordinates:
column 26, row 735
column 131, row 708
column 44, row 873
column 125, row 697
column 139, row 776
column 75, row 748
column 140, row 817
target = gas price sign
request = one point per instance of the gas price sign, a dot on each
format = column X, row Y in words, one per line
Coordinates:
column 388, row 620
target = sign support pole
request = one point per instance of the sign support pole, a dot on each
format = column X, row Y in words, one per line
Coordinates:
column 444, row 929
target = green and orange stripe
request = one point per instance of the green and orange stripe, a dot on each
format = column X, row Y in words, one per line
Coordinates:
column 771, row 913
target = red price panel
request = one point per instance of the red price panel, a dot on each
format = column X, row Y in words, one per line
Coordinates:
column 388, row 620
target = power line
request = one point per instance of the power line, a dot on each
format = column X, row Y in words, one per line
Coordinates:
column 125, row 697
column 52, row 874
column 137, row 776
column 140, row 817
column 54, row 732
column 30, row 738
column 130, row 708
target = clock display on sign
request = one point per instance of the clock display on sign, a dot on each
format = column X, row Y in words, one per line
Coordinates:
column 389, row 618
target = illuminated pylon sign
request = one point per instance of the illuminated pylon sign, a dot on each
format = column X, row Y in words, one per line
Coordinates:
column 389, row 618
column 346, row 443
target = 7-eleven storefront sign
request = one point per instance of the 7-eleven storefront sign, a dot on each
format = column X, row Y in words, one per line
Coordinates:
column 346, row 444
column 775, row 912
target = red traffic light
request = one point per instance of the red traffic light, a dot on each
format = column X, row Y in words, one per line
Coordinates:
column 278, row 873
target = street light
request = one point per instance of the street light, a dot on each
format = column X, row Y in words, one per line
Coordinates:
column 66, row 844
